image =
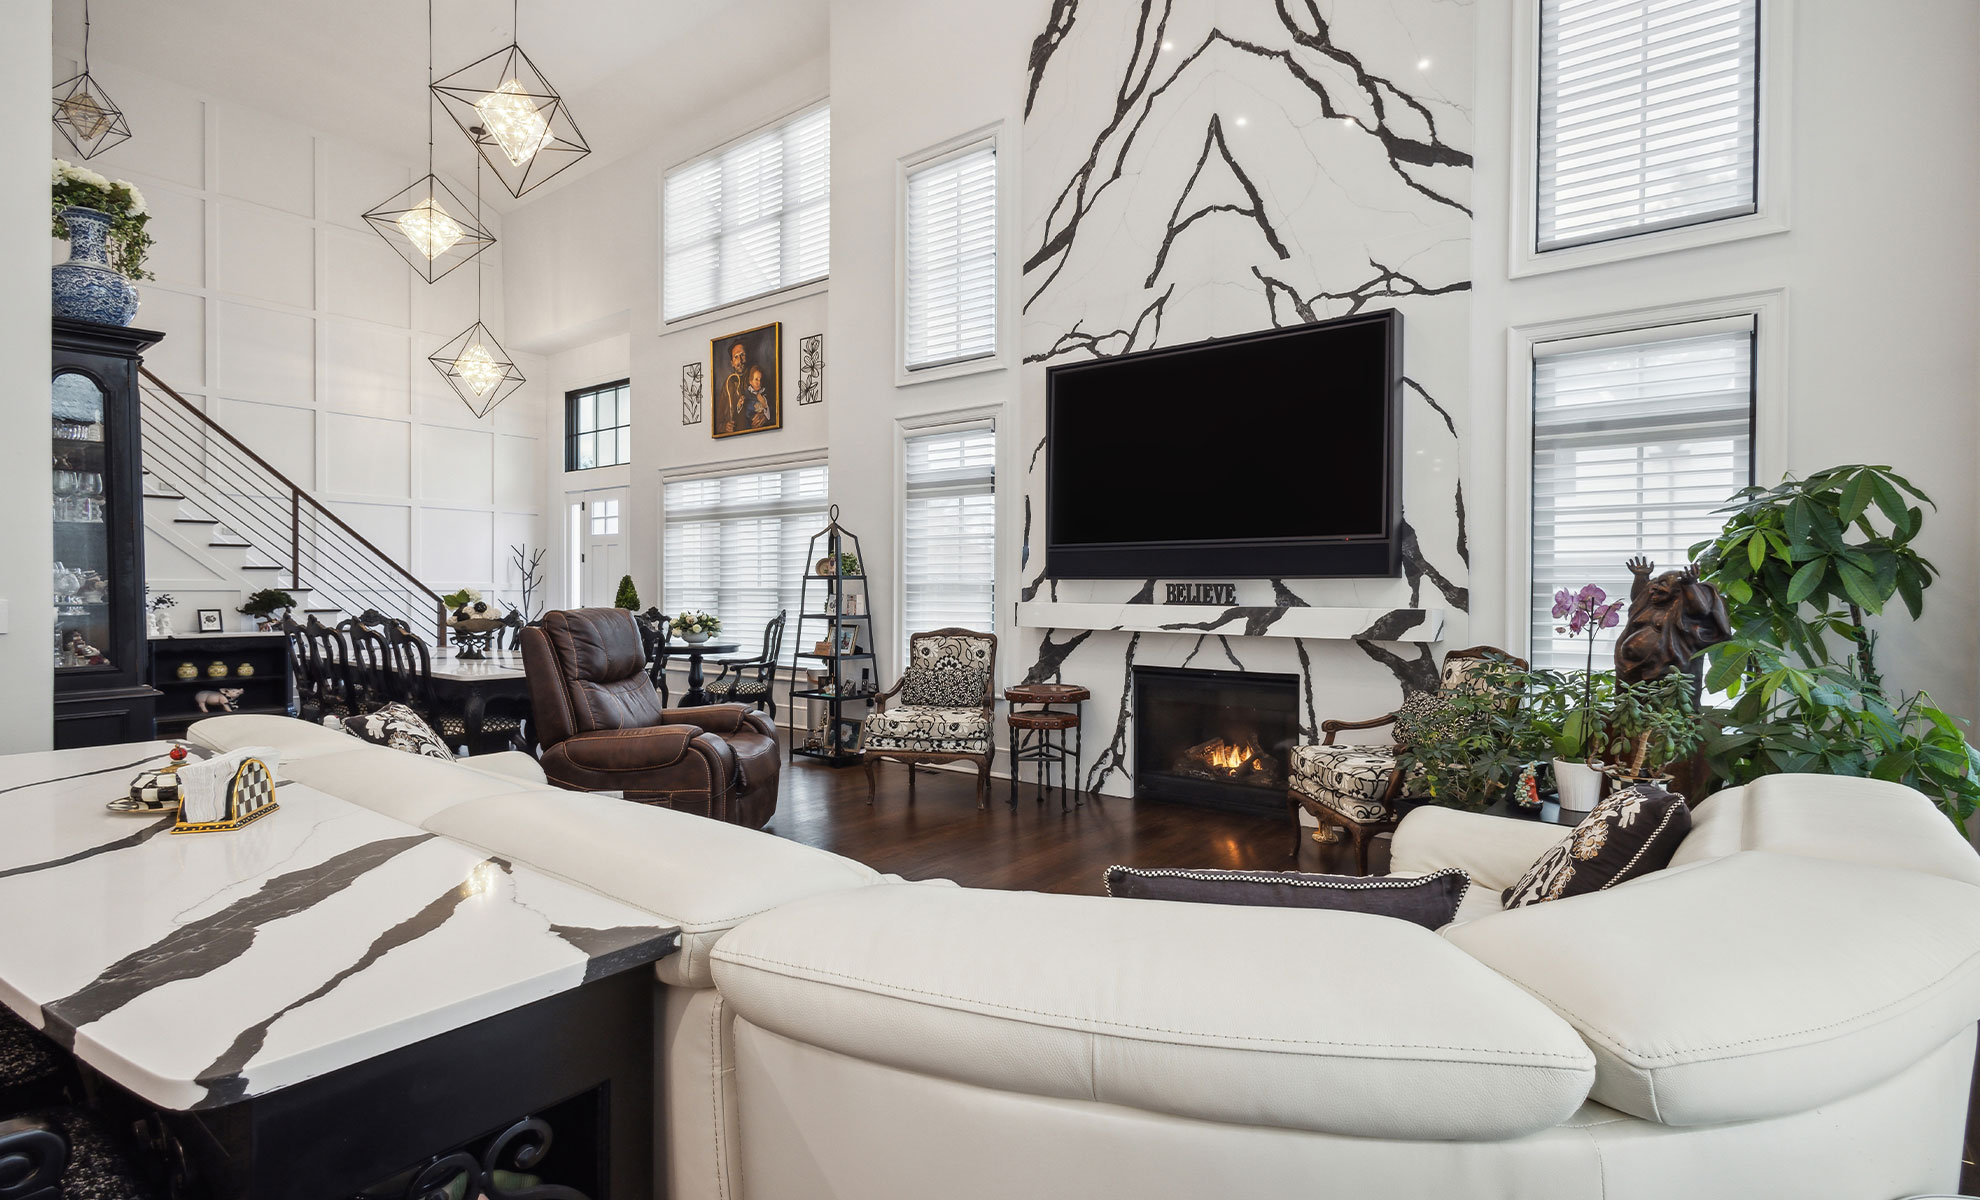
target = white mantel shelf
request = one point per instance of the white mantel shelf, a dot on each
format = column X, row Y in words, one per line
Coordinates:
column 1300, row 621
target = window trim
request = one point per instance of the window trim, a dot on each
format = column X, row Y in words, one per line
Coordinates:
column 570, row 424
column 734, row 308
column 1772, row 158
column 1769, row 312
column 992, row 136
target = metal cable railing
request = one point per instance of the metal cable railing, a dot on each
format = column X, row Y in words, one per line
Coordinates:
column 242, row 494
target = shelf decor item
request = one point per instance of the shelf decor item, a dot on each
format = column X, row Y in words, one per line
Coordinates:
column 187, row 670
column 104, row 221
column 85, row 115
column 226, row 791
column 1576, row 778
column 695, row 627
column 209, row 620
column 266, row 605
column 833, row 594
column 472, row 622
column 216, row 670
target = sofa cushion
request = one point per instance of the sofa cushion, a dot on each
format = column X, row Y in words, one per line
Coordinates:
column 294, row 740
column 702, row 875
column 1750, row 986
column 928, row 730
column 509, row 764
column 1431, row 901
column 408, row 787
column 1131, row 1003
column 1630, row 833
column 1351, row 780
column 1830, row 816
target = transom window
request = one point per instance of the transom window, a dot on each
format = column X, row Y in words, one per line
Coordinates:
column 598, row 426
column 1648, row 116
column 951, row 261
column 1639, row 438
column 949, row 530
column 735, row 545
column 752, row 218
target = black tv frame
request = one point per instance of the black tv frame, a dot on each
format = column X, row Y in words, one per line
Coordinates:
column 1360, row 556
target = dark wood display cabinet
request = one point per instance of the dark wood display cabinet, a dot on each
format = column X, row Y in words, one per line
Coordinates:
column 256, row 663
column 101, row 693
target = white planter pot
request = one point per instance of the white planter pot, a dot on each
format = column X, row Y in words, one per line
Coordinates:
column 1579, row 785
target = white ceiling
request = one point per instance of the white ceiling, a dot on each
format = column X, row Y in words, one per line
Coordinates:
column 357, row 68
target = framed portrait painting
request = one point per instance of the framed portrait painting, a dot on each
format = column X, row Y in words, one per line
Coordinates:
column 748, row 395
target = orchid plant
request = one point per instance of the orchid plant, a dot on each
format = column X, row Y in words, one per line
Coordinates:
column 1586, row 613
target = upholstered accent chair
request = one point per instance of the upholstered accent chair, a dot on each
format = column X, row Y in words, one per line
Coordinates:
column 1352, row 790
column 604, row 729
column 946, row 700
column 750, row 680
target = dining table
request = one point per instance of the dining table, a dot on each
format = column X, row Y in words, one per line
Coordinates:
column 470, row 684
column 696, row 695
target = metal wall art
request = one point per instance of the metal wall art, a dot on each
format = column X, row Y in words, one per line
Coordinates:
column 691, row 393
column 811, row 369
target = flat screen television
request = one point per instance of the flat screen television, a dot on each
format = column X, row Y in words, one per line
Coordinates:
column 1273, row 454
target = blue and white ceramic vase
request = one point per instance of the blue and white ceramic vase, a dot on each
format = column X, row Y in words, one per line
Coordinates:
column 86, row 288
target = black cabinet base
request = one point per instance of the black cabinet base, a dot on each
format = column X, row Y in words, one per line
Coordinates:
column 106, row 718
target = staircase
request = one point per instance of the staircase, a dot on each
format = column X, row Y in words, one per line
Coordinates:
column 214, row 499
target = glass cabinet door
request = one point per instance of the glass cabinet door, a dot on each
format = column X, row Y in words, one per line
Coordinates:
column 82, row 529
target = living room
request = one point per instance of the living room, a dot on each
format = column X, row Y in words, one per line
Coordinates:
column 877, row 520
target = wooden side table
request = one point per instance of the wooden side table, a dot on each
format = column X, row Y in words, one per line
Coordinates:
column 1039, row 735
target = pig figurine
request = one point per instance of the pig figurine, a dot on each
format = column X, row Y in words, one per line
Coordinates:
column 220, row 701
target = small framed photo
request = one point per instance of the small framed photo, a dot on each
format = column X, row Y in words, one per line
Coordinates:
column 848, row 639
column 855, row 605
column 209, row 620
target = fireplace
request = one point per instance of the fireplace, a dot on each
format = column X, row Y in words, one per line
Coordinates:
column 1222, row 739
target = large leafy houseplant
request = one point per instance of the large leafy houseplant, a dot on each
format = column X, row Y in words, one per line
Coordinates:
column 1803, row 567
column 1474, row 742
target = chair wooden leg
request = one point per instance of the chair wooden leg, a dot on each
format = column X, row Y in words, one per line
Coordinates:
column 983, row 783
column 1361, row 849
column 910, row 768
column 1299, row 831
column 872, row 780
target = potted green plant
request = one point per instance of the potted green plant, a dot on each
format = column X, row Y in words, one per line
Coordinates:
column 628, row 597
column 1577, row 779
column 1803, row 566
column 695, row 627
column 1651, row 724
column 1460, row 748
column 265, row 604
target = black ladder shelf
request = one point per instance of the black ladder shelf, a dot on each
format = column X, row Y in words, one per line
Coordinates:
column 822, row 604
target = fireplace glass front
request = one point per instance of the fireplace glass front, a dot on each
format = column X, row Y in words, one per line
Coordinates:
column 1223, row 739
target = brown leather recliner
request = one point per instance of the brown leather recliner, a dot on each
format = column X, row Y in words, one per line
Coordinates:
column 603, row 728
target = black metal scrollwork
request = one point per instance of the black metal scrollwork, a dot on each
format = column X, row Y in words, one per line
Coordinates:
column 516, row 1150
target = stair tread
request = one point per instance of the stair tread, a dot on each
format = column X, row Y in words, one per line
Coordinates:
column 162, row 496
column 232, row 545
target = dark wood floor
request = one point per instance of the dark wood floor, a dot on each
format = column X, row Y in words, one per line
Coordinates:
column 1033, row 847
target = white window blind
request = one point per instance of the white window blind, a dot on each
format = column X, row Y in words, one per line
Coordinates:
column 735, row 545
column 1638, row 440
column 1649, row 115
column 949, row 531
column 751, row 219
column 952, row 259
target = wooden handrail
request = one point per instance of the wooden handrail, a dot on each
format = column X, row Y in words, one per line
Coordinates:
column 297, row 497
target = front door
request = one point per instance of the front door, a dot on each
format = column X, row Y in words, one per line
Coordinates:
column 598, row 537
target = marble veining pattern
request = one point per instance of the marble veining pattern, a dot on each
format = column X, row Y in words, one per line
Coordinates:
column 1202, row 168
column 200, row 969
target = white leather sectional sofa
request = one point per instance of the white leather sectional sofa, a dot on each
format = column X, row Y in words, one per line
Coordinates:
column 1788, row 1010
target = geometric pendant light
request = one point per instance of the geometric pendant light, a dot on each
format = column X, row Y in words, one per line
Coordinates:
column 426, row 222
column 516, row 121
column 472, row 362
column 89, row 120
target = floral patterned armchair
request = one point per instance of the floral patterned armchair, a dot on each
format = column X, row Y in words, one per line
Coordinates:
column 947, row 698
column 1353, row 789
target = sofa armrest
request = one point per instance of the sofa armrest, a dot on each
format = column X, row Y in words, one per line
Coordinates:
column 715, row 718
column 1238, row 1015
column 1494, row 851
column 628, row 749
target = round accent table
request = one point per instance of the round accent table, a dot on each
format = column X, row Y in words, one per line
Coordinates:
column 1038, row 734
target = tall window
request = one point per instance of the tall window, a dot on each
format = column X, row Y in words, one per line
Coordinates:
column 736, row 544
column 598, row 426
column 750, row 219
column 1638, row 438
column 951, row 304
column 1649, row 116
column 949, row 528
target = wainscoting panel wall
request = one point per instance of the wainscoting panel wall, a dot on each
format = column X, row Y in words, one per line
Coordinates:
column 1201, row 168
column 292, row 325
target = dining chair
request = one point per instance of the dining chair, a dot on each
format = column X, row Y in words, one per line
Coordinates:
column 369, row 689
column 410, row 668
column 331, row 659
column 654, row 637
column 301, row 671
column 750, row 680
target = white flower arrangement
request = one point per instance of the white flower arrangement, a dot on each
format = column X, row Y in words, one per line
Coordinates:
column 79, row 187
column 695, row 622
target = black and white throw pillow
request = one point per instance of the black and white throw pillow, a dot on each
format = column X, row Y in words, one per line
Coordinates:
column 1632, row 832
column 398, row 726
column 1428, row 900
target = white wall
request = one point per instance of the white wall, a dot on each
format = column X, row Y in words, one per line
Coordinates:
column 294, row 326
column 27, row 547
column 1881, row 269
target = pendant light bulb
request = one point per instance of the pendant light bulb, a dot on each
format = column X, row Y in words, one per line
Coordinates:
column 513, row 120
column 428, row 227
column 478, row 369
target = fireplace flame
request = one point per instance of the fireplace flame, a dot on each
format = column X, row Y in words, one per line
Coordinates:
column 1230, row 758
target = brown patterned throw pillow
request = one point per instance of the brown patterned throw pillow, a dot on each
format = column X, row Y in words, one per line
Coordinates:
column 1632, row 832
